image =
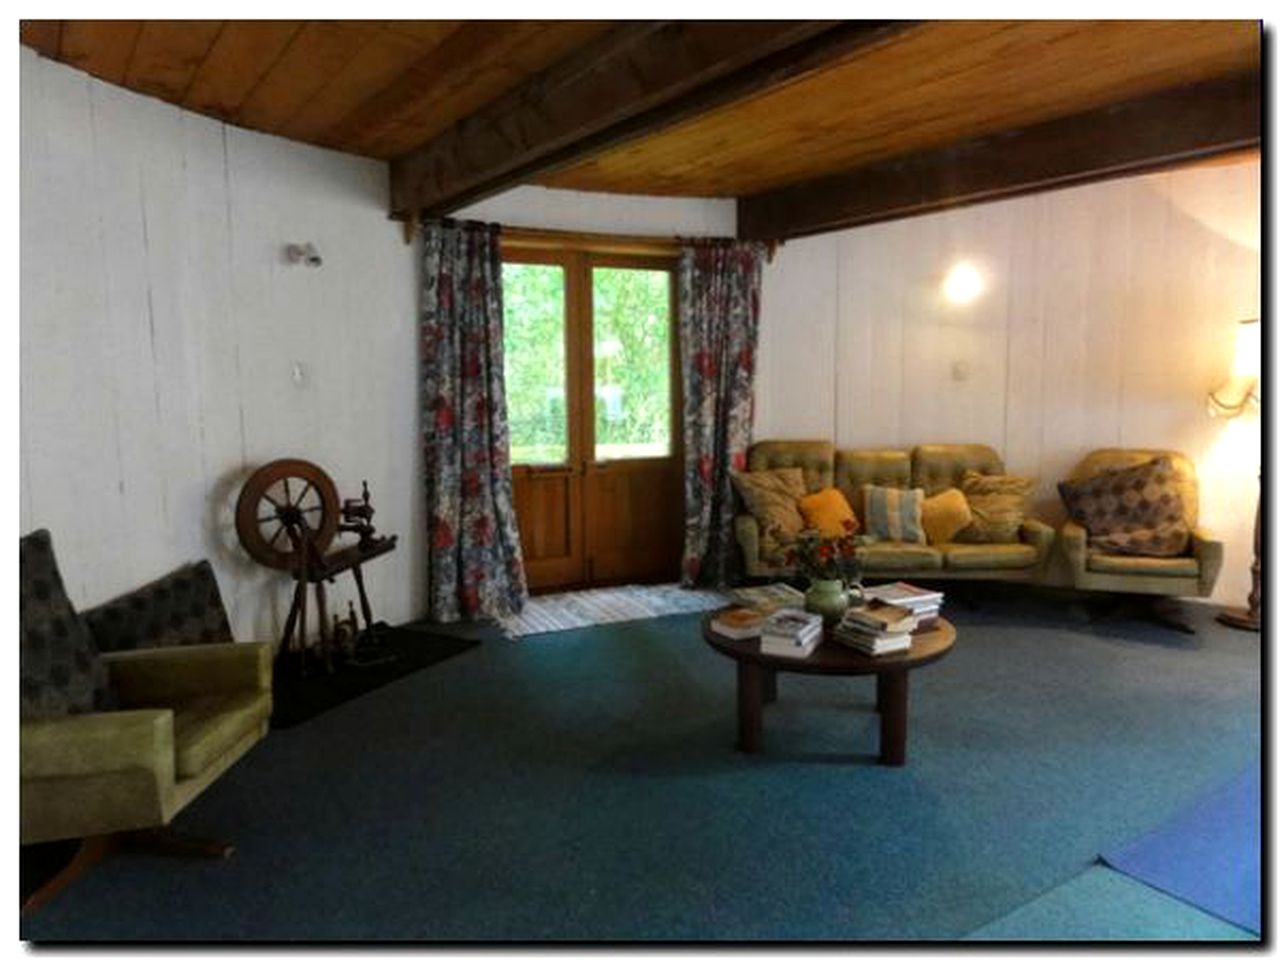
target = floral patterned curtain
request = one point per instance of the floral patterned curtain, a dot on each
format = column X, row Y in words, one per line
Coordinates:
column 474, row 566
column 719, row 319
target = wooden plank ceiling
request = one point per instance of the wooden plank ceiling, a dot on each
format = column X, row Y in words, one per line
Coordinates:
column 941, row 82
column 466, row 108
column 374, row 88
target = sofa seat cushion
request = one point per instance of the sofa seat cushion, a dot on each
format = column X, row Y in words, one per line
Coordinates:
column 1100, row 562
column 987, row 556
column 204, row 728
column 899, row 556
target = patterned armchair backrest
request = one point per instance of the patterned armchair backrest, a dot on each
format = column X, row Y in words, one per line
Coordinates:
column 882, row 467
column 182, row 607
column 814, row 457
column 1121, row 458
column 936, row 466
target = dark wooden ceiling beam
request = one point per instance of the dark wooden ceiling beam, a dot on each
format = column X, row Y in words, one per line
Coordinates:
column 1147, row 133
column 637, row 78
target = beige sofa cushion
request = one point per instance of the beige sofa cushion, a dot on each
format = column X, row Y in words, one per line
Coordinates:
column 1100, row 562
column 987, row 556
column 772, row 497
column 999, row 505
column 936, row 466
column 815, row 459
column 882, row 467
column 885, row 557
column 206, row 727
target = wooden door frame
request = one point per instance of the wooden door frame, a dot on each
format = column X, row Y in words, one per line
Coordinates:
column 577, row 256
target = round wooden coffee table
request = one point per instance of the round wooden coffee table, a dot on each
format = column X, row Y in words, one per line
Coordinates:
column 758, row 680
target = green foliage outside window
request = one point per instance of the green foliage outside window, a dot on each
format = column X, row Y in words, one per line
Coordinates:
column 632, row 346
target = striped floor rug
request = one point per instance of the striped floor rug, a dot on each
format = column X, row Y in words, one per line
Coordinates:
column 584, row 608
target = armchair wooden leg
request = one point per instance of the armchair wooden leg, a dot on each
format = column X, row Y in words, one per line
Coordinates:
column 92, row 851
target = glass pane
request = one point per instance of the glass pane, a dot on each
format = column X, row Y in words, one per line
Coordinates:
column 632, row 320
column 534, row 362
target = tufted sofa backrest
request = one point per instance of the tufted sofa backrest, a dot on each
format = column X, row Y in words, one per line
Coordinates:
column 883, row 467
column 1117, row 458
column 814, row 457
column 936, row 466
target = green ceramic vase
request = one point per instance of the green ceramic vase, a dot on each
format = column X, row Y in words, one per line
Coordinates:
column 828, row 598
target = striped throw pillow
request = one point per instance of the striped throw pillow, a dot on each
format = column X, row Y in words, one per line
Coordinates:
column 893, row 513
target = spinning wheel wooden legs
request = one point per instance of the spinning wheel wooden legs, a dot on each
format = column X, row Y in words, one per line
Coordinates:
column 298, row 619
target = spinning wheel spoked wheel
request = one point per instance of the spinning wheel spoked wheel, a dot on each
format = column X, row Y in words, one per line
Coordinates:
column 282, row 505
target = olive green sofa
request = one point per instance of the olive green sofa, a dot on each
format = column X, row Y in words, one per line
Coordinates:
column 933, row 467
column 1191, row 575
column 122, row 740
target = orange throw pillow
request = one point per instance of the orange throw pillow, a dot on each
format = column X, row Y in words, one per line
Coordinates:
column 827, row 511
column 944, row 515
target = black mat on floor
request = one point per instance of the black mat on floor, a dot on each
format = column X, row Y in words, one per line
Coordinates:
column 404, row 649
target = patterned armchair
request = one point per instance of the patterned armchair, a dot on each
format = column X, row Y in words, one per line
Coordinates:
column 1191, row 574
column 123, row 740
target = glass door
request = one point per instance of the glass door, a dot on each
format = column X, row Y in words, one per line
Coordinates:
column 593, row 400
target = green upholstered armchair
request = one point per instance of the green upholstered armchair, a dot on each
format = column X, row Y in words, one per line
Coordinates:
column 123, row 740
column 1191, row 575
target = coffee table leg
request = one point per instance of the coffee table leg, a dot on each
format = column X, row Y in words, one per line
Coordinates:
column 891, row 701
column 770, row 688
column 750, row 706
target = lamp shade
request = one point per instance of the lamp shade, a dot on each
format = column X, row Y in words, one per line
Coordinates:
column 1244, row 388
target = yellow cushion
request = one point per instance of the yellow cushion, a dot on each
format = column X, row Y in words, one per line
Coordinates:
column 827, row 511
column 771, row 497
column 944, row 515
column 999, row 505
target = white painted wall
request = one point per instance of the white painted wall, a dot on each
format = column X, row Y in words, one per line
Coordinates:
column 160, row 326
column 549, row 209
column 1108, row 315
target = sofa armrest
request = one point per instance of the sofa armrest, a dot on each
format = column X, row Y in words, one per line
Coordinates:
column 165, row 675
column 89, row 743
column 1075, row 543
column 1038, row 534
column 747, row 531
column 1208, row 553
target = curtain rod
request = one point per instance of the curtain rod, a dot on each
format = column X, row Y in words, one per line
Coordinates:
column 539, row 238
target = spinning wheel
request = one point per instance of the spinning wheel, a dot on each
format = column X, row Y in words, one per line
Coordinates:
column 287, row 515
column 285, row 504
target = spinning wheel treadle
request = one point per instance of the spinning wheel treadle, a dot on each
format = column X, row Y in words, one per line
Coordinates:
column 277, row 502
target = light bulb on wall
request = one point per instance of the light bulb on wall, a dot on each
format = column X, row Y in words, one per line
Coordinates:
column 963, row 283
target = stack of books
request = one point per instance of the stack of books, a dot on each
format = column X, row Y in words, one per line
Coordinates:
column 738, row 623
column 768, row 597
column 921, row 603
column 790, row 633
column 876, row 629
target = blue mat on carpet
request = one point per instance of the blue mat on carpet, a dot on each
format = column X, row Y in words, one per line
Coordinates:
column 1210, row 855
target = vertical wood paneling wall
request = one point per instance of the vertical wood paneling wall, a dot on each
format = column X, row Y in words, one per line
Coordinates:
column 160, row 327
column 1108, row 314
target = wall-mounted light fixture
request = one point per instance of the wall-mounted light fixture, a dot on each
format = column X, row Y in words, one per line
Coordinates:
column 1241, row 392
column 963, row 283
column 303, row 253
column 1244, row 389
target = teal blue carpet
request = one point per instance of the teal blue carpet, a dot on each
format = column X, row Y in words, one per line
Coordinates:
column 1101, row 904
column 583, row 785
